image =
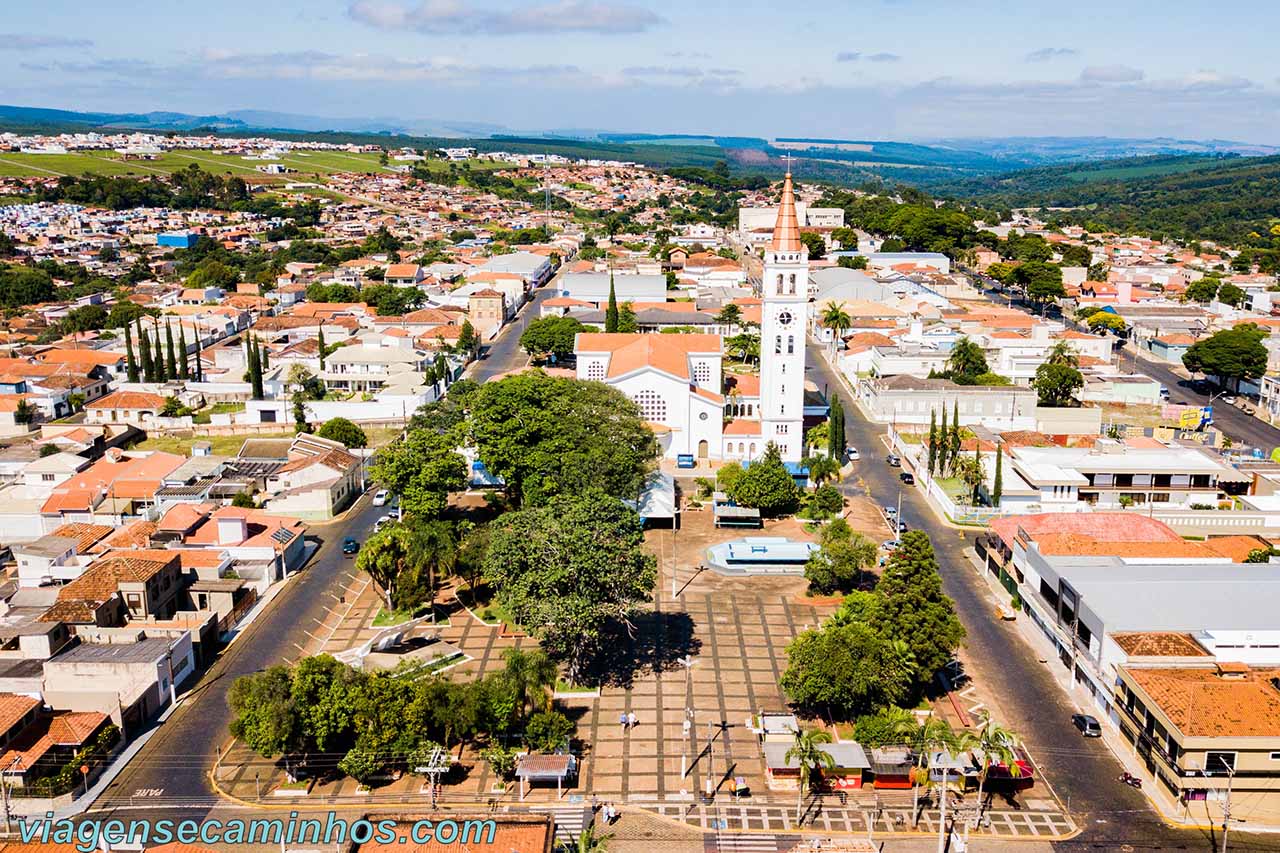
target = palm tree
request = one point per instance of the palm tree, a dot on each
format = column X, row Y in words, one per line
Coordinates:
column 822, row 469
column 589, row 841
column 834, row 317
column 435, row 550
column 1060, row 353
column 925, row 737
column 997, row 745
column 532, row 676
column 811, row 759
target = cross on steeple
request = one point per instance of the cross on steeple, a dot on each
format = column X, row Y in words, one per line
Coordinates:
column 788, row 158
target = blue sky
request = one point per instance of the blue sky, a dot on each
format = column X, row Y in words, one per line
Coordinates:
column 879, row 69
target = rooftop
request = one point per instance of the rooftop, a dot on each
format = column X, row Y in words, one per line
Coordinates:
column 1202, row 703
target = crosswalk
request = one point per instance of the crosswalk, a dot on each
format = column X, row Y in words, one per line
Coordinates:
column 742, row 842
column 569, row 824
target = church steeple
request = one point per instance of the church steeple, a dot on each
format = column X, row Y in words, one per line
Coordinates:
column 786, row 231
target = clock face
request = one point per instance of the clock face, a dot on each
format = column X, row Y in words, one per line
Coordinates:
column 785, row 318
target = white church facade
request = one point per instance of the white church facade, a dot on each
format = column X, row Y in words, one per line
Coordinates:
column 678, row 381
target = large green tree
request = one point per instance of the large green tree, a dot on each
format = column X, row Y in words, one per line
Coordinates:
column 767, row 485
column 913, row 607
column 422, row 468
column 265, row 715
column 1057, row 384
column 966, row 362
column 565, row 570
column 551, row 336
column 343, row 430
column 386, row 557
column 547, row 436
column 843, row 670
column 840, row 562
column 1230, row 355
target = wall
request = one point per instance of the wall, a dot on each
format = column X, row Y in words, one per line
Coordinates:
column 1081, row 421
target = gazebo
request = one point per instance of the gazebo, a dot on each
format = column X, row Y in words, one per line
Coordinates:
column 559, row 768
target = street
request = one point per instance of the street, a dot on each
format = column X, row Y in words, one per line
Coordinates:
column 170, row 773
column 1082, row 771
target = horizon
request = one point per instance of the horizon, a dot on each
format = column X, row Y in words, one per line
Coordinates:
column 653, row 66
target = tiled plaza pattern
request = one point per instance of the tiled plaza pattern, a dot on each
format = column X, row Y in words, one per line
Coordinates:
column 735, row 629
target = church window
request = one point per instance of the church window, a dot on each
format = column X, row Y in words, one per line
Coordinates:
column 782, row 429
column 791, row 289
column 779, row 282
column 753, row 448
column 701, row 372
column 791, row 344
column 595, row 370
column 777, row 345
column 652, row 407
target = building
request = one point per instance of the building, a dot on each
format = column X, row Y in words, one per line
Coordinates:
column 908, row 400
column 785, row 291
column 593, row 287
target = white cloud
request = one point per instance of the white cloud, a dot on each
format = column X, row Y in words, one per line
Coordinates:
column 1045, row 54
column 848, row 56
column 884, row 57
column 30, row 41
column 455, row 17
column 1111, row 74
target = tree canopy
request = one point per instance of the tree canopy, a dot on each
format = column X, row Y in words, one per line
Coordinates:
column 1057, row 384
column 547, row 436
column 1231, row 354
column 767, row 485
column 422, row 469
column 565, row 569
column 343, row 430
column 551, row 336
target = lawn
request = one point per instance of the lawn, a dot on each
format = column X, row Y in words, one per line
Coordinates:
column 223, row 445
column 485, row 605
column 110, row 163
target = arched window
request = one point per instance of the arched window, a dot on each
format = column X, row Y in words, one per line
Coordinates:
column 792, row 288
column 779, row 282
column 652, row 407
column 791, row 344
column 753, row 448
column 777, row 345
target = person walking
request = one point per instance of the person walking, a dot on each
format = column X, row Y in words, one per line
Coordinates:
column 632, row 719
column 622, row 720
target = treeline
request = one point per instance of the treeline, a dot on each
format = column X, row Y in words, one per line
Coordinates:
column 718, row 177
column 1235, row 201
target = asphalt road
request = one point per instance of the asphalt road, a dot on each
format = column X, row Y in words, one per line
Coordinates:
column 170, row 774
column 1082, row 771
column 172, row 768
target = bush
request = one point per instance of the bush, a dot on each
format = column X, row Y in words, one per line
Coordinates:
column 501, row 761
column 878, row 729
column 548, row 731
column 344, row 431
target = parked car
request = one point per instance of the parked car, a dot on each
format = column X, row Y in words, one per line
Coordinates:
column 902, row 527
column 381, row 523
column 890, row 544
column 908, row 478
column 851, row 454
column 894, row 461
column 1229, row 399
column 380, row 497
column 1087, row 725
column 889, row 511
column 350, row 546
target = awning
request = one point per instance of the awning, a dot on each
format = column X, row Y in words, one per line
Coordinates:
column 658, row 499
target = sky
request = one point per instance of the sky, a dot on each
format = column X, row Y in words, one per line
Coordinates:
column 862, row 69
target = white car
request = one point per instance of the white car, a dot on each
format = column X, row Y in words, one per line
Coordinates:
column 381, row 523
column 890, row 511
column 851, row 454
column 380, row 497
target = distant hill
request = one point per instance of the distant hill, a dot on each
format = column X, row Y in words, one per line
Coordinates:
column 1226, row 198
column 1014, row 151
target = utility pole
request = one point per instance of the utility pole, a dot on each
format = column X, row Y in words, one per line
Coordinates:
column 4, row 794
column 942, row 819
column 1226, row 809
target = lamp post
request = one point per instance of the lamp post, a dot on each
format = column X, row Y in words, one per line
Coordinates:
column 687, row 727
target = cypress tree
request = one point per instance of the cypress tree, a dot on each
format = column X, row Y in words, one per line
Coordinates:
column 954, row 450
column 611, row 312
column 148, row 366
column 977, row 461
column 255, row 369
column 199, row 350
column 933, row 440
column 320, row 343
column 170, row 358
column 184, row 362
column 130, row 365
column 943, row 445
column 264, row 356
column 997, row 488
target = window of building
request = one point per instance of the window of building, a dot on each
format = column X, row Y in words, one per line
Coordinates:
column 1219, row 762
column 48, row 478
column 781, row 429
column 1275, row 756
column 652, row 406
column 595, row 370
column 701, row 372
column 791, row 344
column 777, row 345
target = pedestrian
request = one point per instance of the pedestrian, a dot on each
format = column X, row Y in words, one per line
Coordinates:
column 632, row 719
column 622, row 720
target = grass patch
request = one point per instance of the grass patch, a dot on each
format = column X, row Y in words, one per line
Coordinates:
column 387, row 618
column 485, row 605
column 223, row 445
column 563, row 686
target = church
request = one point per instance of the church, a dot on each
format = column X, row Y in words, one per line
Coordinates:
column 679, row 383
